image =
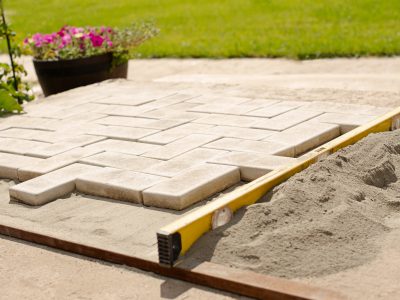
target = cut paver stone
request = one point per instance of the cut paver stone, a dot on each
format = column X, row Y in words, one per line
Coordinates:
column 252, row 165
column 339, row 107
column 286, row 120
column 171, row 114
column 347, row 122
column 191, row 186
column 183, row 162
column 173, row 134
column 47, row 165
column 181, row 146
column 306, row 136
column 10, row 163
column 232, row 144
column 116, row 184
column 120, row 146
column 49, row 187
column 139, row 122
column 120, row 161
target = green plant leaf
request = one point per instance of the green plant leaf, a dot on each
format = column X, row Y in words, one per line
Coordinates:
column 8, row 103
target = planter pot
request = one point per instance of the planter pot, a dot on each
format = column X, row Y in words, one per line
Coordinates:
column 61, row 75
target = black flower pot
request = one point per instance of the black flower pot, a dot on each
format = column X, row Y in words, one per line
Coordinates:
column 61, row 75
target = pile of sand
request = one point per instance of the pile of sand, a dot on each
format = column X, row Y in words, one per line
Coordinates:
column 323, row 220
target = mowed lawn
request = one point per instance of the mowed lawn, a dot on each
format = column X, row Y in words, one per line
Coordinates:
column 231, row 28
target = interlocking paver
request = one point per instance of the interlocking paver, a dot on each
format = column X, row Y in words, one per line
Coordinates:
column 67, row 144
column 273, row 110
column 232, row 144
column 170, row 135
column 18, row 146
column 10, row 163
column 252, row 165
column 226, row 109
column 286, row 120
column 139, row 122
column 191, row 186
column 116, row 184
column 121, row 132
column 228, row 120
column 183, row 162
column 347, row 122
column 123, row 146
column 222, row 99
column 50, row 186
column 339, row 107
column 239, row 132
column 306, row 136
column 171, row 114
column 43, row 166
column 181, row 146
column 120, row 161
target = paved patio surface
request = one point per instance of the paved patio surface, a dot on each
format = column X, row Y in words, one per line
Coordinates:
column 175, row 124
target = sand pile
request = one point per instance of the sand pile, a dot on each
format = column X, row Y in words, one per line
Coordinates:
column 323, row 220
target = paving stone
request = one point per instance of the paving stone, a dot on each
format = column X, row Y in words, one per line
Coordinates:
column 183, row 162
column 220, row 99
column 21, row 133
column 172, row 115
column 181, row 146
column 121, row 110
column 44, row 166
column 123, row 133
column 170, row 135
column 226, row 109
column 50, row 186
column 252, row 165
column 239, row 132
column 10, row 163
column 228, row 120
column 306, row 136
column 232, row 144
column 339, row 107
column 132, row 99
column 262, row 102
column 126, row 147
column 139, row 122
column 347, row 122
column 116, row 184
column 273, row 110
column 191, row 186
column 69, row 143
column 29, row 123
column 120, row 161
column 286, row 120
column 18, row 146
column 166, row 101
column 183, row 106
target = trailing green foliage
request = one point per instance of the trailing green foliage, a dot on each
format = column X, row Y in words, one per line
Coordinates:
column 231, row 28
column 13, row 91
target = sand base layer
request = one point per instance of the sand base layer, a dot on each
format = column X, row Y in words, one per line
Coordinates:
column 335, row 216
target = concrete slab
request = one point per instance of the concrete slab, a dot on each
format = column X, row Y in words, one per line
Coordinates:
column 191, row 186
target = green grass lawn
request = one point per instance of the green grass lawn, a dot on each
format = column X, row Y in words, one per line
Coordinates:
column 231, row 28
